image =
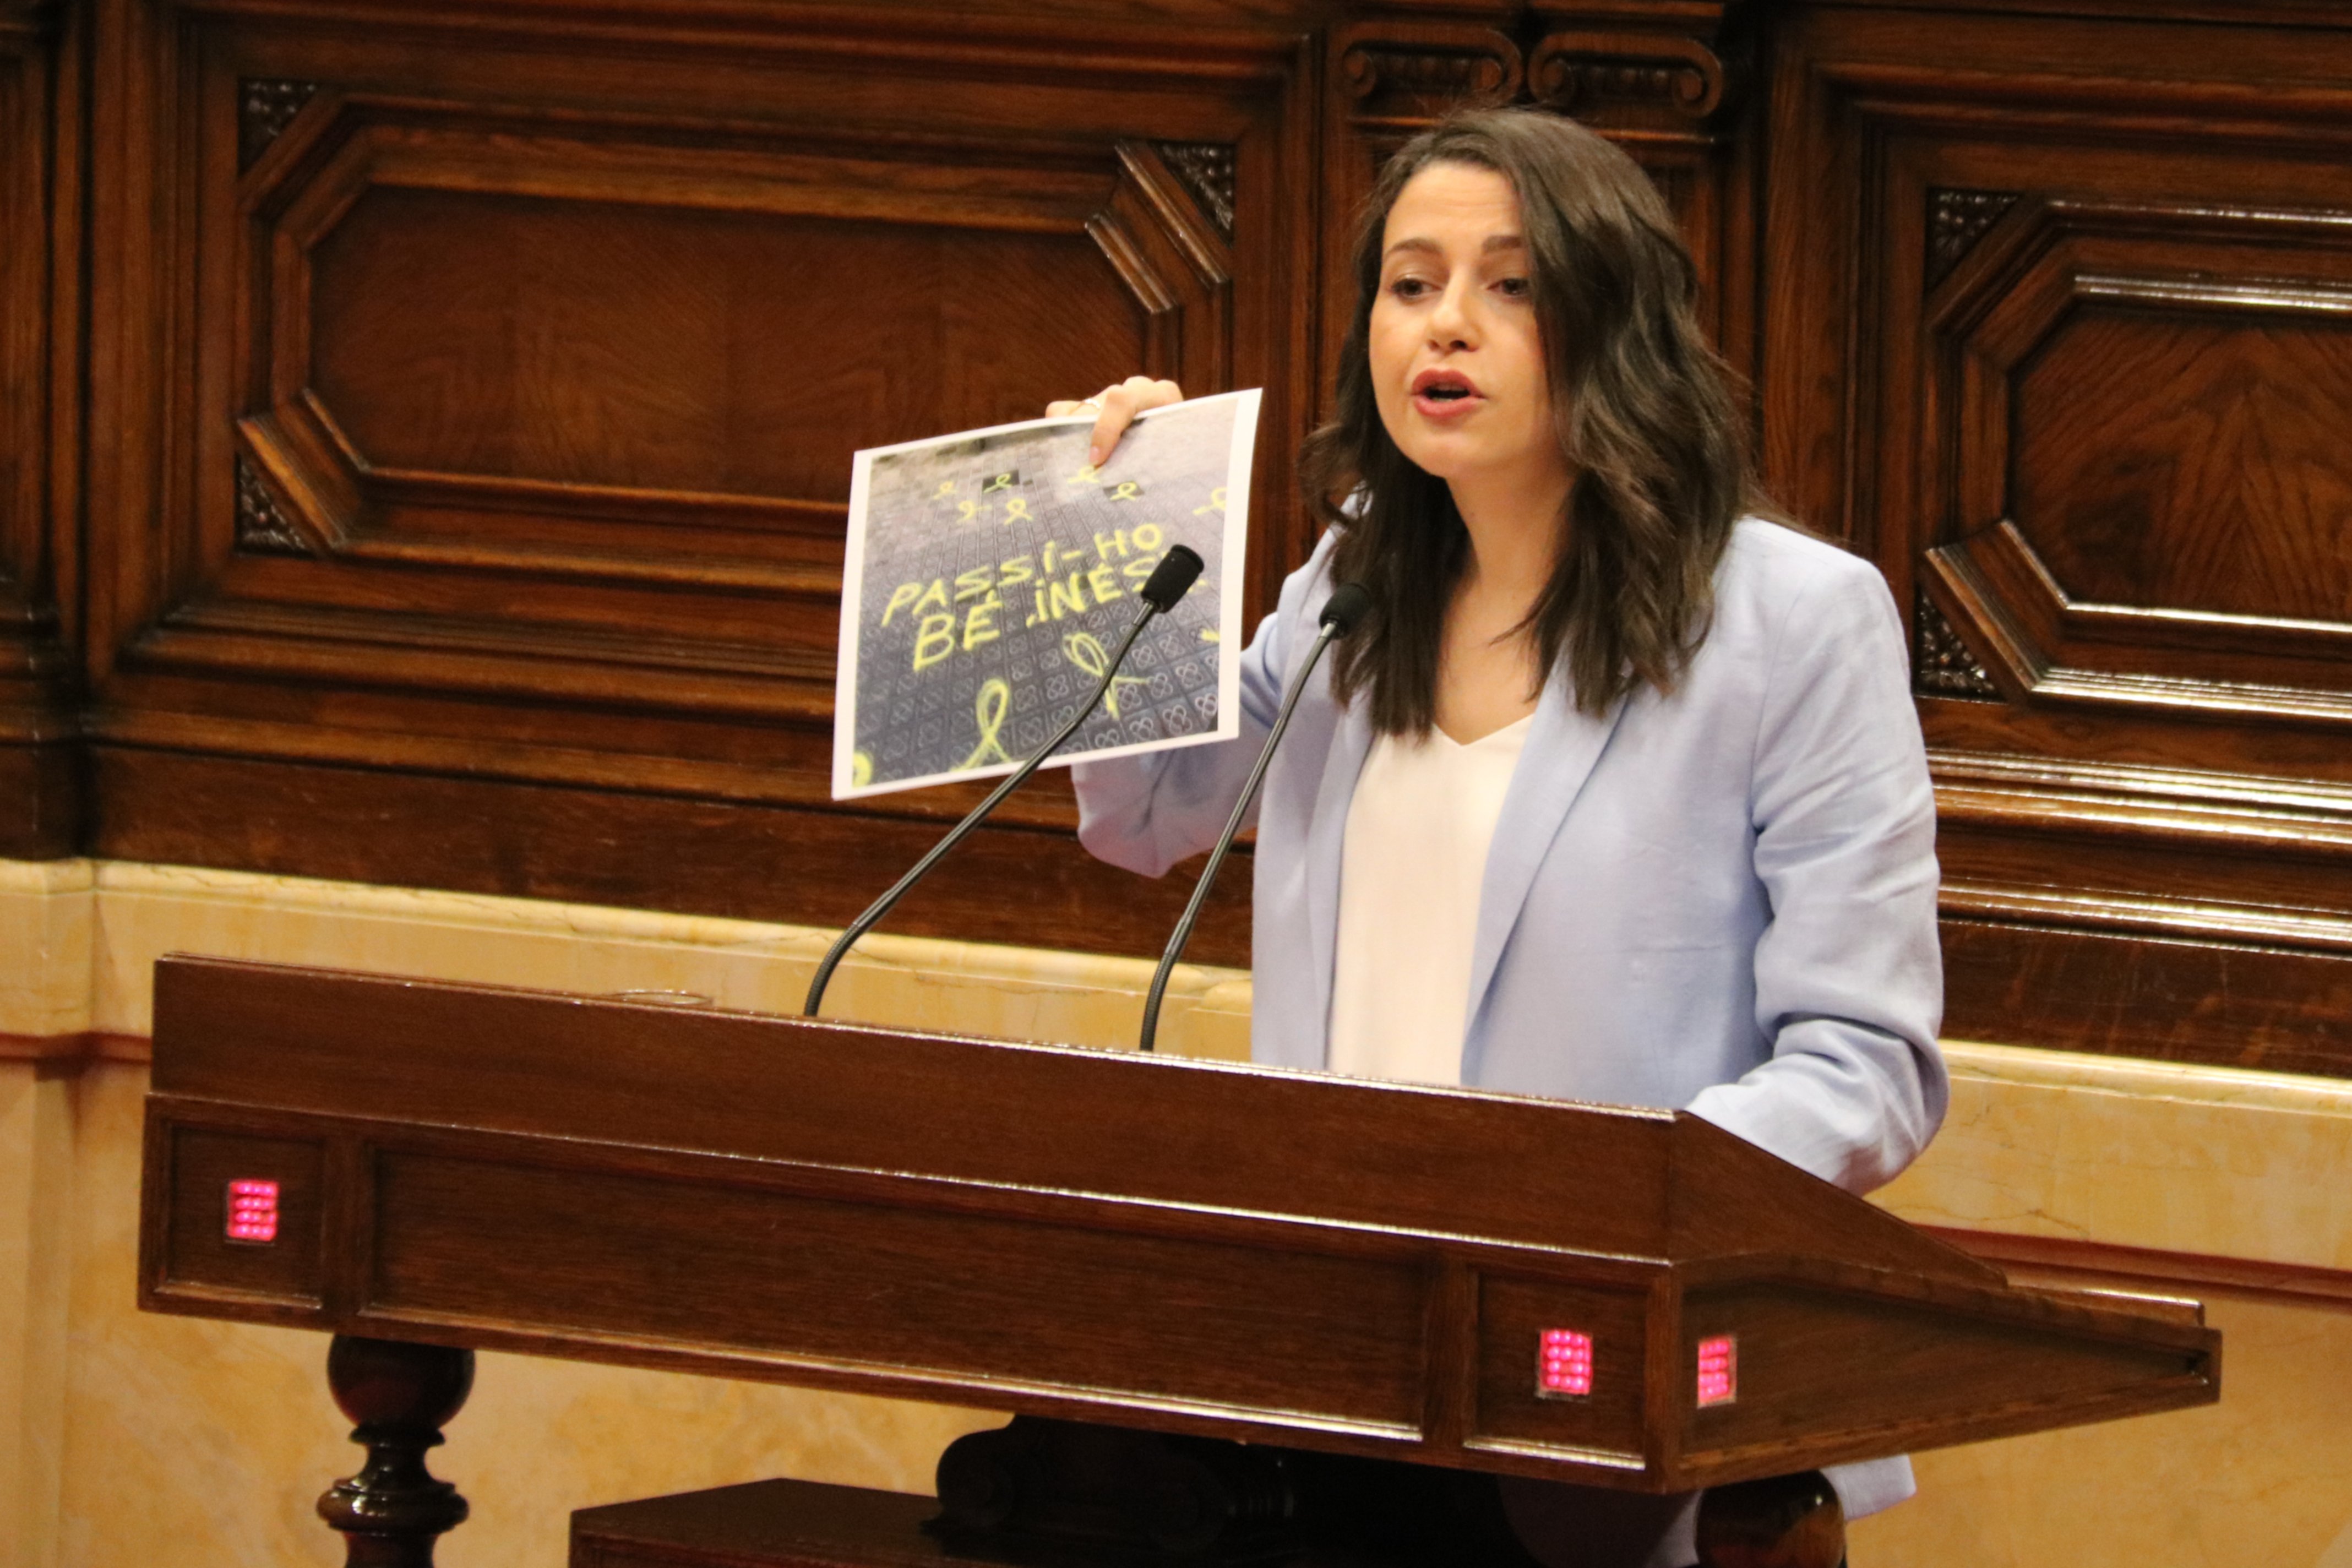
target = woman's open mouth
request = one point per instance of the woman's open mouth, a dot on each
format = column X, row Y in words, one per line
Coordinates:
column 1445, row 394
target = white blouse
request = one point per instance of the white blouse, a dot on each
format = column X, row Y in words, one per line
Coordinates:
column 1410, row 874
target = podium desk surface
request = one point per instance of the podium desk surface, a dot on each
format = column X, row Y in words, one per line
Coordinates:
column 1617, row 1296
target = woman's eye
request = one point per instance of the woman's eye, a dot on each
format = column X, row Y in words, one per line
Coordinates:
column 1515, row 288
column 1409, row 288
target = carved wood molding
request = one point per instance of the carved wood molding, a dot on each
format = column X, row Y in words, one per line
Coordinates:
column 2100, row 823
column 1619, row 78
column 1956, row 221
column 1404, row 74
column 1943, row 665
column 1607, row 77
column 437, row 523
column 262, row 528
column 1155, row 234
column 264, row 110
column 1374, row 68
column 1206, row 170
column 2074, row 493
column 2201, row 994
column 2073, row 652
column 2183, row 797
column 1180, row 192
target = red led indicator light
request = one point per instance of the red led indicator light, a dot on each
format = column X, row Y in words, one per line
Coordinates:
column 253, row 1211
column 1719, row 1371
column 1565, row 1369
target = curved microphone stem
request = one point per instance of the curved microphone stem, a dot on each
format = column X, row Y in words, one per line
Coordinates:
column 1183, row 932
column 881, row 906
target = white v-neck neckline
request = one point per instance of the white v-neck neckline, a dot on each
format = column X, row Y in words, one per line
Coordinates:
column 1515, row 725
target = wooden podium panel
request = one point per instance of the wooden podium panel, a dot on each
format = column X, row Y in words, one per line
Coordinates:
column 807, row 1525
column 1183, row 1247
column 802, row 1523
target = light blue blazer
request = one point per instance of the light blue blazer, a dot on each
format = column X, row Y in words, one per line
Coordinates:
column 1722, row 900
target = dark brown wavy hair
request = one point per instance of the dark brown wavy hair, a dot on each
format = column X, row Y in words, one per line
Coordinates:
column 1654, row 434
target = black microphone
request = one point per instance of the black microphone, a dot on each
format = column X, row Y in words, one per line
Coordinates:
column 1169, row 581
column 1341, row 612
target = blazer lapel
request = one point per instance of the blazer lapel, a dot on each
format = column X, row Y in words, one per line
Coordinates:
column 1352, row 743
column 1562, row 746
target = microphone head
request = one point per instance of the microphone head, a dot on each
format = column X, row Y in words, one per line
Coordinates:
column 1172, row 578
column 1347, row 605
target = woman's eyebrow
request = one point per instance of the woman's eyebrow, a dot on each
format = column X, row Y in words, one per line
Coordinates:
column 1431, row 247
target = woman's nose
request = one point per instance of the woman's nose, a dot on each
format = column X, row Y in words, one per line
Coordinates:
column 1450, row 324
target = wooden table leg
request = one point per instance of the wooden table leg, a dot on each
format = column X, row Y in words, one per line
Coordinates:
column 400, row 1395
column 1788, row 1521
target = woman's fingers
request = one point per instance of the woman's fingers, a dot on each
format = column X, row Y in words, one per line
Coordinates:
column 1115, row 409
column 1119, row 406
column 1069, row 407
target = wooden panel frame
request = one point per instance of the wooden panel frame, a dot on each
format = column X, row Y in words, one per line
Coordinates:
column 665, row 560
column 338, row 500
column 2117, row 784
column 2025, row 280
column 298, row 577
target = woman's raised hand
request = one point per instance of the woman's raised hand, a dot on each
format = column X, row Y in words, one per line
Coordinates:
column 1115, row 408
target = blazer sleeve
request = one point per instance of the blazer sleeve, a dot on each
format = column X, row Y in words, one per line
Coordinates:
column 1849, row 973
column 1147, row 812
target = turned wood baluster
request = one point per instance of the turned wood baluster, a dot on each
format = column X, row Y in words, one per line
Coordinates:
column 1788, row 1521
column 400, row 1395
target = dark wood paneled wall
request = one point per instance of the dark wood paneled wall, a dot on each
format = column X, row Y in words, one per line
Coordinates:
column 2062, row 337
column 41, row 797
column 452, row 403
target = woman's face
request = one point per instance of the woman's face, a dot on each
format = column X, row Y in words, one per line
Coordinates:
column 1457, row 364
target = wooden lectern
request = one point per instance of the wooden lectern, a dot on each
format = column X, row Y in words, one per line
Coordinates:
column 1315, row 1265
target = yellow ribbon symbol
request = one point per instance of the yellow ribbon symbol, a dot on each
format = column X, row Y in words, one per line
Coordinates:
column 1016, row 506
column 1081, row 650
column 1128, row 490
column 988, row 711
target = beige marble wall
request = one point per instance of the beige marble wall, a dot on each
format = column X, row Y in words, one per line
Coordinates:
column 135, row 1437
column 115, row 920
column 36, row 1241
column 2215, row 1160
column 48, row 923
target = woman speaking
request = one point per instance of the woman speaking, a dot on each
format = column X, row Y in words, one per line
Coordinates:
column 1618, row 794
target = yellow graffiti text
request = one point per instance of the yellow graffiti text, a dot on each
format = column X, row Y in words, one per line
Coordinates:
column 1084, row 650
column 980, row 623
column 934, row 640
column 988, row 711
